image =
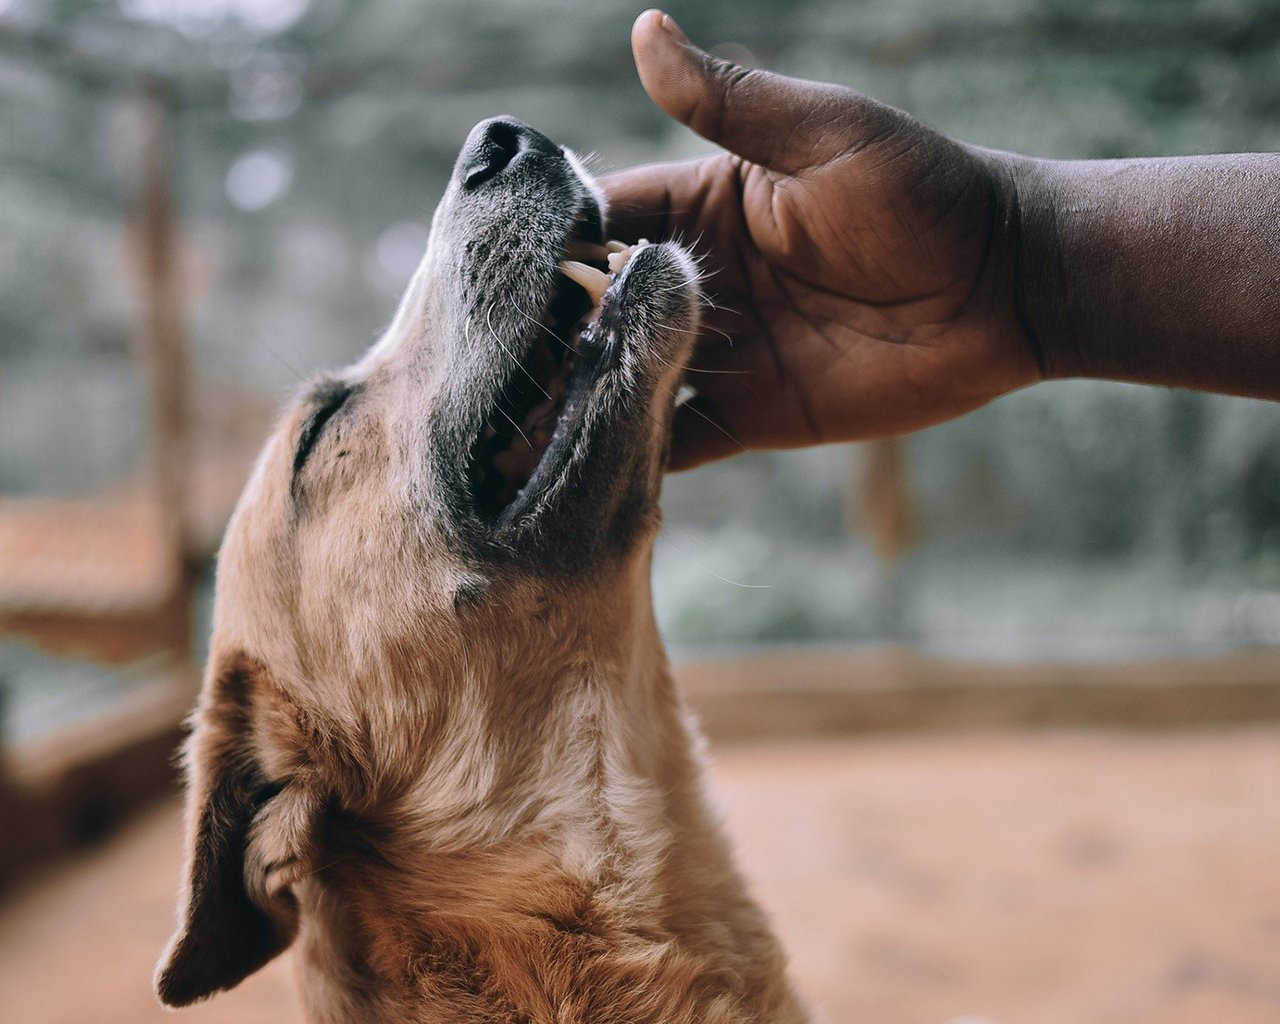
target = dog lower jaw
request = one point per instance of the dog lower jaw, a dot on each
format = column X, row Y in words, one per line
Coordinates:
column 634, row 340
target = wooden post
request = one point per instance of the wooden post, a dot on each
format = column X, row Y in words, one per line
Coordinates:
column 163, row 350
column 878, row 502
column 883, row 505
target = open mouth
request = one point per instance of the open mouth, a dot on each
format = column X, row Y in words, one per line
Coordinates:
column 536, row 409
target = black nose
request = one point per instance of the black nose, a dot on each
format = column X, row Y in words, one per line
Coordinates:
column 493, row 145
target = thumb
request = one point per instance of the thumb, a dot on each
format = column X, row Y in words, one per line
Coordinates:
column 782, row 123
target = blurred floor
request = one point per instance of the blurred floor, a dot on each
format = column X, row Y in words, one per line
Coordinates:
column 1055, row 879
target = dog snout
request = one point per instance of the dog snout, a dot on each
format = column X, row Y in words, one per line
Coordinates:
column 493, row 146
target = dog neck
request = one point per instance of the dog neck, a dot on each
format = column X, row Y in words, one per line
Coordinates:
column 555, row 862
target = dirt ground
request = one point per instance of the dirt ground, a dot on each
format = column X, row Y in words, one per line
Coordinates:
column 1041, row 878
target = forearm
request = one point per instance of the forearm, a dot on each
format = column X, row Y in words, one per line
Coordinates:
column 1163, row 271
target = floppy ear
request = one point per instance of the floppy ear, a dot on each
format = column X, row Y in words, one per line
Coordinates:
column 246, row 840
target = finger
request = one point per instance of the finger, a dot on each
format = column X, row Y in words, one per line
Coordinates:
column 698, row 437
column 650, row 201
column 782, row 123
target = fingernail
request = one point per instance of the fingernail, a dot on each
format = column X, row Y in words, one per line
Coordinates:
column 670, row 27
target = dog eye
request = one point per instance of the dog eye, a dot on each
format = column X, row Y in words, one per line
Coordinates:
column 326, row 404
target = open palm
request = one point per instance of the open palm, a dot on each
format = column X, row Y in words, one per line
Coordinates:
column 861, row 264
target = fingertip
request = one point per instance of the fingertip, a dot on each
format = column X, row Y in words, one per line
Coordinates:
column 646, row 23
column 674, row 462
column 666, row 62
column 655, row 24
column 646, row 37
column 684, row 457
column 680, row 458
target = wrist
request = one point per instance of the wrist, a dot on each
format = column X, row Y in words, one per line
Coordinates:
column 1037, row 263
column 1155, row 270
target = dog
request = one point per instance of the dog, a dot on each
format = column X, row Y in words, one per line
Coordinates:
column 437, row 743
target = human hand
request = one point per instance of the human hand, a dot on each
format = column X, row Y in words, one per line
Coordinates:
column 861, row 265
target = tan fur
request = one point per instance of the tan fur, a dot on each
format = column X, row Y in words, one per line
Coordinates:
column 487, row 802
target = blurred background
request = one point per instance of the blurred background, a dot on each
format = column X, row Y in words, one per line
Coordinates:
column 945, row 674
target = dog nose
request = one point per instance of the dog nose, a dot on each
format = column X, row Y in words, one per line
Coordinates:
column 493, row 145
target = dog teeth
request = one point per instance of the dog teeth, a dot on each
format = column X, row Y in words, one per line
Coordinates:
column 594, row 282
column 620, row 254
column 614, row 254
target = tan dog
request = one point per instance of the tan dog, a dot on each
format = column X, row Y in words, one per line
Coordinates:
column 438, row 741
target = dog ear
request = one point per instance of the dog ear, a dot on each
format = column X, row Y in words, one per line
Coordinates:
column 246, row 841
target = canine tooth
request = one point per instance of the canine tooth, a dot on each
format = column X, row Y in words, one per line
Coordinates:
column 596, row 282
column 618, row 260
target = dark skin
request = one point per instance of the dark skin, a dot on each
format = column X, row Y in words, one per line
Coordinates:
column 872, row 276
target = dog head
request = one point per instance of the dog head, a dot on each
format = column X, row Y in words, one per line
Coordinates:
column 427, row 536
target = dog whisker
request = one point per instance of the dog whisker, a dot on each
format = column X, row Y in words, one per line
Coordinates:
column 663, row 537
column 494, row 334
